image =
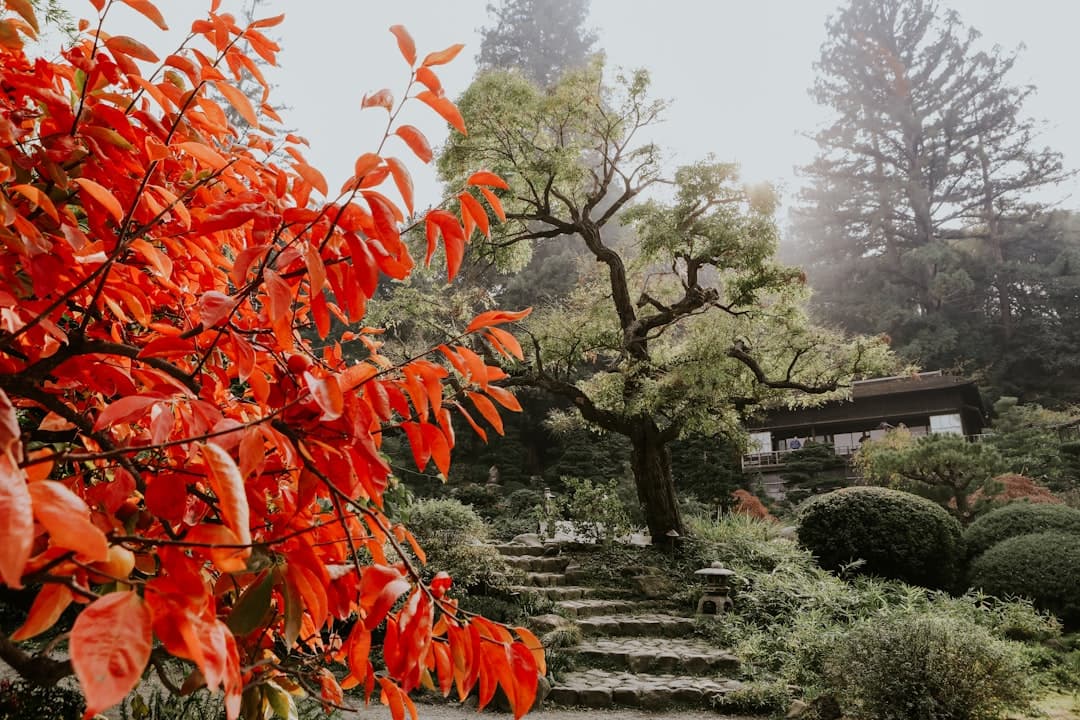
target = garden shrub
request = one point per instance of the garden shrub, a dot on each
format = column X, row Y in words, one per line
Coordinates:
column 454, row 537
column 1044, row 567
column 596, row 509
column 890, row 533
column 23, row 699
column 926, row 667
column 1020, row 518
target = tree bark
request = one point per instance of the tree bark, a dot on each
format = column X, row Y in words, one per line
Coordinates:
column 650, row 459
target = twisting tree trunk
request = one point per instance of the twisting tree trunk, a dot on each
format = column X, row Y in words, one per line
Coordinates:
column 650, row 459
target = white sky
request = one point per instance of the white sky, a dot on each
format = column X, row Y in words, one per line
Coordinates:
column 737, row 71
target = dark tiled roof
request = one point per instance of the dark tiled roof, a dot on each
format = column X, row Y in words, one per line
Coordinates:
column 907, row 383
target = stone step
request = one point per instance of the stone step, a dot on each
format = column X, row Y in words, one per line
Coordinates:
column 603, row 689
column 545, row 579
column 593, row 607
column 520, row 550
column 657, row 655
column 558, row 592
column 534, row 563
column 649, row 624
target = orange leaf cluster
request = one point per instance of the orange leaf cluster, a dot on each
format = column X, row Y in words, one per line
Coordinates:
column 747, row 504
column 176, row 459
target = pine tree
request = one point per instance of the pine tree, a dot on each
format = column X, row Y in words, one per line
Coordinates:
column 541, row 38
column 922, row 183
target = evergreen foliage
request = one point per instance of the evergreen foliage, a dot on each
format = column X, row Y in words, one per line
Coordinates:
column 888, row 533
column 540, row 38
column 1015, row 519
column 925, row 667
column 1044, row 567
column 812, row 469
column 679, row 325
column 919, row 220
column 945, row 468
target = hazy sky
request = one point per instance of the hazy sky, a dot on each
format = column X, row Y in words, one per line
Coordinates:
column 737, row 72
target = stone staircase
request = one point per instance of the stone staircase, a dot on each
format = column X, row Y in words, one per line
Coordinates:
column 633, row 654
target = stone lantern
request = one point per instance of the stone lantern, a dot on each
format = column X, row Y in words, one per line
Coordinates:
column 717, row 596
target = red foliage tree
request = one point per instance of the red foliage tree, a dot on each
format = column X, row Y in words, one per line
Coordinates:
column 177, row 460
column 747, row 504
column 1012, row 487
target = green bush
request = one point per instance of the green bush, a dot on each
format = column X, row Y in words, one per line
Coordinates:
column 889, row 533
column 926, row 667
column 1019, row 518
column 22, row 699
column 455, row 539
column 1044, row 567
column 596, row 509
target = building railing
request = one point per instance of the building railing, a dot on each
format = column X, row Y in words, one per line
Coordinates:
column 775, row 458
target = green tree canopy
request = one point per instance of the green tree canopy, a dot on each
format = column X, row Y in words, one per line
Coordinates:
column 919, row 219
column 541, row 38
column 685, row 320
column 944, row 468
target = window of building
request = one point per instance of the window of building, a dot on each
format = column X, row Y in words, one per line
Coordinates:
column 760, row 442
column 948, row 424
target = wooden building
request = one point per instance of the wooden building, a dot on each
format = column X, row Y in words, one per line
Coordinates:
column 929, row 402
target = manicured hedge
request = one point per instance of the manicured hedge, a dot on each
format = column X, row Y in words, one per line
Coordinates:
column 1019, row 518
column 896, row 535
column 1044, row 567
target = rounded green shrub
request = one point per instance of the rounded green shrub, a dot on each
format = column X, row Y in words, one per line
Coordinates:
column 926, row 667
column 455, row 539
column 1019, row 518
column 890, row 533
column 1044, row 567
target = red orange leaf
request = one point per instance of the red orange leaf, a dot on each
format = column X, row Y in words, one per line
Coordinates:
column 9, row 425
column 16, row 520
column 380, row 587
column 383, row 98
column 124, row 410
column 49, row 604
column 125, row 45
column 442, row 56
column 476, row 211
column 440, row 449
column 496, row 317
column 488, row 179
column 405, row 43
column 67, row 518
column 403, row 181
column 453, row 238
column 228, row 486
column 416, row 142
column 204, row 153
column 535, row 647
column 496, row 206
column 25, row 10
column 445, row 107
column 523, row 670
column 327, row 394
column 238, row 100
column 504, row 397
column 507, row 341
column 148, row 10
column 110, row 646
column 429, row 79
column 103, row 196
column 475, row 426
column 38, row 198
column 487, row 409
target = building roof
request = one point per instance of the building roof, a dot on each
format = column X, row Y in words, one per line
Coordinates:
column 935, row 380
column 883, row 398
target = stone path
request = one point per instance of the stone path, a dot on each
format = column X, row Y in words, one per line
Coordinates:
column 633, row 655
